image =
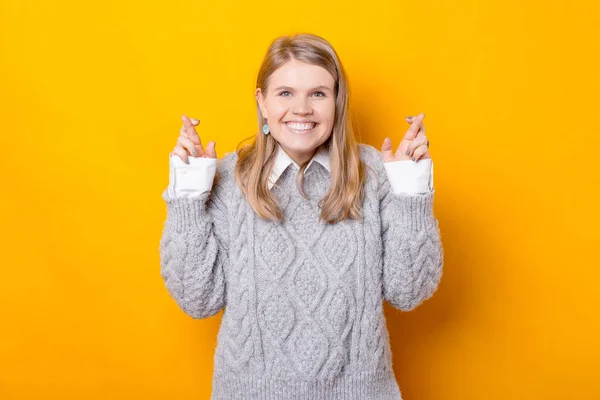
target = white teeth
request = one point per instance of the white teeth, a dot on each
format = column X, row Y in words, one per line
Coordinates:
column 301, row 127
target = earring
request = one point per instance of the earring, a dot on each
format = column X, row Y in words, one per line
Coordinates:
column 266, row 129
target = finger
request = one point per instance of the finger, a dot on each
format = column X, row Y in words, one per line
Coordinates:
column 195, row 138
column 414, row 127
column 210, row 149
column 419, row 152
column 190, row 130
column 401, row 150
column 387, row 150
column 418, row 141
column 187, row 144
column 193, row 121
column 181, row 153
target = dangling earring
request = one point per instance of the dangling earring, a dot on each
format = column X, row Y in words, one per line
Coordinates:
column 266, row 129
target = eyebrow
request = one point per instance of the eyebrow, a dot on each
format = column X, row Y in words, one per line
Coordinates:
column 315, row 88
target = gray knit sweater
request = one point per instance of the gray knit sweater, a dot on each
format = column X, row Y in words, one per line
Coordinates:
column 303, row 300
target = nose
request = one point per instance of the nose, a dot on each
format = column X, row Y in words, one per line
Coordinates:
column 302, row 106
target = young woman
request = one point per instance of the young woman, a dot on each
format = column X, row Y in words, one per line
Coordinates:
column 300, row 236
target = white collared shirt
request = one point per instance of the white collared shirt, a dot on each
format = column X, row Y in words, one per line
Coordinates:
column 189, row 180
column 283, row 160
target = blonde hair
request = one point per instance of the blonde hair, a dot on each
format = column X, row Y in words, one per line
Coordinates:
column 255, row 161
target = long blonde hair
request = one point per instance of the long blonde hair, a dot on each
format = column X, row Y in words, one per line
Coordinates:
column 255, row 161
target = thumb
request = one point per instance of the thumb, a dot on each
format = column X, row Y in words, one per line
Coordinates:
column 386, row 149
column 210, row 149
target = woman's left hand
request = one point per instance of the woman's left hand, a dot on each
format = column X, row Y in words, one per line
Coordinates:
column 413, row 146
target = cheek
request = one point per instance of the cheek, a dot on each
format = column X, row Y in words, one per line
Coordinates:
column 277, row 110
column 327, row 112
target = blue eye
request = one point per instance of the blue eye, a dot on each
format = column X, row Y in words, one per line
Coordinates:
column 322, row 94
column 285, row 91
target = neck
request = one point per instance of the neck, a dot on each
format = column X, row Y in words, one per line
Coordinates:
column 300, row 158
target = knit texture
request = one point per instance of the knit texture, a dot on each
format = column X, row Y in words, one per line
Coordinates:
column 303, row 300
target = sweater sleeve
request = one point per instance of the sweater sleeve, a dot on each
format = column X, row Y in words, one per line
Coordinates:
column 412, row 247
column 194, row 251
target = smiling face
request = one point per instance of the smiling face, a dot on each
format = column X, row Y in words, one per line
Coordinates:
column 299, row 107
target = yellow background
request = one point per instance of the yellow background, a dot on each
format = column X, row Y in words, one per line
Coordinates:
column 91, row 95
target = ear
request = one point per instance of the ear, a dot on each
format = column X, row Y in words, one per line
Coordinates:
column 261, row 102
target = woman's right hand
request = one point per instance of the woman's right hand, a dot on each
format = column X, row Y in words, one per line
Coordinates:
column 189, row 143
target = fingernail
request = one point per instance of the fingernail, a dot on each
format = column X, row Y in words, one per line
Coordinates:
column 194, row 120
column 407, row 152
column 195, row 153
column 409, row 117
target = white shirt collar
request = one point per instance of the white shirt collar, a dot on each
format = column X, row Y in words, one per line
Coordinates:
column 283, row 160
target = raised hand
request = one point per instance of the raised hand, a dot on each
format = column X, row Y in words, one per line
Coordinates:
column 413, row 146
column 189, row 143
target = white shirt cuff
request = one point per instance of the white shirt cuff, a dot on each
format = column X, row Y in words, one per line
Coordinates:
column 410, row 177
column 193, row 179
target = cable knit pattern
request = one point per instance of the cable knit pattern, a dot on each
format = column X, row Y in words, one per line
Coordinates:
column 303, row 300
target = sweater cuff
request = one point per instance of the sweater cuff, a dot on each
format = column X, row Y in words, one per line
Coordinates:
column 191, row 179
column 409, row 177
column 186, row 213
column 416, row 210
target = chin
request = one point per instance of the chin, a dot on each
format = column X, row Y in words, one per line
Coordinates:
column 301, row 144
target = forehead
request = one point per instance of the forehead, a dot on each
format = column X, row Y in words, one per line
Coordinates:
column 301, row 75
